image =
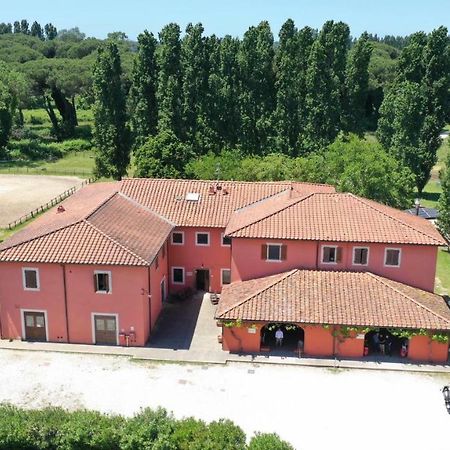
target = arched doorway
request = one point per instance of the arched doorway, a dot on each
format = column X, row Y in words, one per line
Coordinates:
column 381, row 342
column 293, row 336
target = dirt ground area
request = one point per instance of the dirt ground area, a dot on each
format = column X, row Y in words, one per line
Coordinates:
column 312, row 408
column 20, row 194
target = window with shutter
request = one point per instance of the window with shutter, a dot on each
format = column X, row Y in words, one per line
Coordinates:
column 360, row 256
column 102, row 282
column 226, row 276
column 30, row 278
column 264, row 251
column 331, row 255
column 273, row 252
column 392, row 257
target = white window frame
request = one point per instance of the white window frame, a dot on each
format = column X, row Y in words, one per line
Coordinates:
column 172, row 275
column 221, row 277
column 104, row 314
column 38, row 281
column 104, row 272
column 177, row 243
column 353, row 256
column 273, row 244
column 196, row 238
column 221, row 241
column 22, row 319
column 333, row 263
column 399, row 256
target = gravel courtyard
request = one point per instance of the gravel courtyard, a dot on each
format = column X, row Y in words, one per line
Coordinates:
column 20, row 194
column 312, row 408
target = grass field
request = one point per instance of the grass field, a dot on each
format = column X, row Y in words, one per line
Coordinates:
column 443, row 273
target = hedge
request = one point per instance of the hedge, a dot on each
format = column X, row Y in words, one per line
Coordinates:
column 59, row 429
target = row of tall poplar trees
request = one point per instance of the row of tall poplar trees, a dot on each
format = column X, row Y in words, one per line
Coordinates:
column 205, row 93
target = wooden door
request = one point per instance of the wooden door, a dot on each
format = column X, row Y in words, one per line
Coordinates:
column 35, row 326
column 105, row 330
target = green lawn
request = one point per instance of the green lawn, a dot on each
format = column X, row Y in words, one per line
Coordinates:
column 443, row 273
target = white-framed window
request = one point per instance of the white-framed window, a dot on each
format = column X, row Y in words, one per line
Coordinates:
column 274, row 252
column 225, row 276
column 178, row 238
column 202, row 238
column 30, row 279
column 360, row 256
column 102, row 281
column 331, row 254
column 178, row 275
column 392, row 257
column 226, row 240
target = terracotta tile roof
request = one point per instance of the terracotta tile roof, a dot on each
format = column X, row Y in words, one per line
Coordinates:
column 332, row 217
column 168, row 198
column 326, row 297
column 77, row 207
column 79, row 243
column 116, row 232
column 135, row 227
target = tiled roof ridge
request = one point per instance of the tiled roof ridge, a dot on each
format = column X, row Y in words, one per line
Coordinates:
column 146, row 208
column 288, row 183
column 86, row 221
column 261, row 200
column 385, row 281
column 291, row 203
column 370, row 205
column 283, row 276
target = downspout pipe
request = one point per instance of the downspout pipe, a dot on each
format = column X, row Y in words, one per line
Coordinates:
column 65, row 302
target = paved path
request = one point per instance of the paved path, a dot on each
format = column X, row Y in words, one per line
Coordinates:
column 20, row 194
column 313, row 408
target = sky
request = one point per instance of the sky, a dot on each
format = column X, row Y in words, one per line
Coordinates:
column 98, row 17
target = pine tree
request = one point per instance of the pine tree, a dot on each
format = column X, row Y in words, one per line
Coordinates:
column 357, row 84
column 111, row 134
column 17, row 28
column 144, row 113
column 257, row 96
column 169, row 91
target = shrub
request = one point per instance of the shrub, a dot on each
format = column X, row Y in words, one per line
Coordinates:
column 190, row 434
column 224, row 435
column 73, row 145
column 91, row 430
column 35, row 120
column 264, row 441
column 149, row 430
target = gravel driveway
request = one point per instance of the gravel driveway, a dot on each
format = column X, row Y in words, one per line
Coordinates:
column 312, row 408
column 20, row 194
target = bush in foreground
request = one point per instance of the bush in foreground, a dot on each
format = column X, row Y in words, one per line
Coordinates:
column 58, row 429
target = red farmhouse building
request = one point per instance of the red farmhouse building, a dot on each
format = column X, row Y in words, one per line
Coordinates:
column 337, row 274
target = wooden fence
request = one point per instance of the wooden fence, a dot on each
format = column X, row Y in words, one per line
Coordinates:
column 40, row 209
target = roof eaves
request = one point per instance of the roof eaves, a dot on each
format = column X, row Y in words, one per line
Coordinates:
column 386, row 283
column 259, row 291
column 362, row 200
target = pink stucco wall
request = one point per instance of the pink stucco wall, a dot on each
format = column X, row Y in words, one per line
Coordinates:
column 157, row 275
column 50, row 298
column 417, row 265
column 128, row 300
column 191, row 257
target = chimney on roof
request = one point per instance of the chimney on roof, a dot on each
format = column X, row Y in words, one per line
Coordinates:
column 212, row 190
column 60, row 209
column 224, row 191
